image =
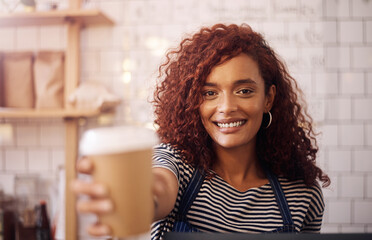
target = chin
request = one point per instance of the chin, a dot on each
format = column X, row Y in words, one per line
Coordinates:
column 228, row 145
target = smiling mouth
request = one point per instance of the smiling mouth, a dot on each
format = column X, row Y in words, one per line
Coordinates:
column 231, row 124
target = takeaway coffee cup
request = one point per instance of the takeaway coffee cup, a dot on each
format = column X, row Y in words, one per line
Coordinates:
column 122, row 161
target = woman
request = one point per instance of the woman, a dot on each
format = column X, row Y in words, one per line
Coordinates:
column 238, row 150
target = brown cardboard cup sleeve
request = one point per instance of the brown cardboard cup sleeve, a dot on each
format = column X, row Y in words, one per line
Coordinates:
column 49, row 79
column 17, row 82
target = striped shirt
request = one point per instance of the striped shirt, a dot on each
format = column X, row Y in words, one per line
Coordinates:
column 219, row 207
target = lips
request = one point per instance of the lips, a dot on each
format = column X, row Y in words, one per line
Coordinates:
column 230, row 124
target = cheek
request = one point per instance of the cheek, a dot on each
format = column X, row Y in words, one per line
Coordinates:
column 205, row 111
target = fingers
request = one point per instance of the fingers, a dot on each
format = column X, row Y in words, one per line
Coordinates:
column 85, row 165
column 97, row 206
column 92, row 189
column 99, row 229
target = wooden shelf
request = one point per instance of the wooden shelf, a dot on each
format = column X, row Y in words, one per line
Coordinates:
column 85, row 16
column 32, row 113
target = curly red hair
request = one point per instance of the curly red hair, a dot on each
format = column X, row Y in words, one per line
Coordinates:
column 288, row 147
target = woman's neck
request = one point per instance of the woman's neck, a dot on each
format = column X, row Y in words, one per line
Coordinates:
column 239, row 167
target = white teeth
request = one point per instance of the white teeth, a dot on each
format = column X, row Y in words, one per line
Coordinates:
column 229, row 125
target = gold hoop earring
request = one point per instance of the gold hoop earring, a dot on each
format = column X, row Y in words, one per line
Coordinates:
column 270, row 120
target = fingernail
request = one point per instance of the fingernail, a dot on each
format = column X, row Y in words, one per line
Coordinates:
column 86, row 164
column 108, row 206
column 105, row 230
column 101, row 190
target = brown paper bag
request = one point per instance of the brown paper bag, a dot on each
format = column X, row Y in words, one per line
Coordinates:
column 18, row 88
column 49, row 79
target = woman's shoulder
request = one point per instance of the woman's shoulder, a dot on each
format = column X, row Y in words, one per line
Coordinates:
column 168, row 156
column 299, row 187
column 299, row 190
column 167, row 147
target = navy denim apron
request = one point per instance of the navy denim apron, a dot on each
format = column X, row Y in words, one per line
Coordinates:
column 182, row 224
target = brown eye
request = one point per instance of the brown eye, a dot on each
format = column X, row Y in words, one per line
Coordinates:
column 244, row 91
column 209, row 94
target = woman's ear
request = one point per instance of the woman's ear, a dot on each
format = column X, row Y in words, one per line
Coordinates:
column 270, row 96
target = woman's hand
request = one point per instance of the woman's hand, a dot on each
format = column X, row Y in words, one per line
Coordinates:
column 98, row 202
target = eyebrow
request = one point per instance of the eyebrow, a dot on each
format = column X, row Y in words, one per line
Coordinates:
column 237, row 82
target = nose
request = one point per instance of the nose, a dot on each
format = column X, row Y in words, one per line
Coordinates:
column 227, row 104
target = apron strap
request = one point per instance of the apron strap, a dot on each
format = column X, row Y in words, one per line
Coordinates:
column 280, row 199
column 190, row 193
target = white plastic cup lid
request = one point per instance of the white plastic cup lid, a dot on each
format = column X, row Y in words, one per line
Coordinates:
column 111, row 140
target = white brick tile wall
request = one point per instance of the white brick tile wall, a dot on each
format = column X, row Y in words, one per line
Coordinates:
column 120, row 36
column 339, row 160
column 274, row 31
column 285, row 9
column 7, row 182
column 58, row 158
column 352, row 83
column 337, row 216
column 52, row 135
column 352, row 229
column 51, row 38
column 337, row 8
column 311, row 9
column 259, row 9
column 321, row 160
column 363, row 160
column 348, row 187
column 351, row 31
column 337, row 57
column 326, row 83
column 305, row 83
column 311, row 57
column 1, row 160
column 328, row 228
column 362, row 211
column 235, row 11
column 332, row 191
column 361, row 8
column 133, row 12
column 114, row 10
column 27, row 38
column 96, row 37
column 369, row 83
column 317, row 110
column 351, row 134
column 290, row 56
column 327, row 31
column 27, row 135
column 369, row 186
column 7, row 40
column 111, row 61
column 15, row 160
column 339, row 108
column 299, row 32
column 362, row 108
column 38, row 161
column 369, row 134
column 362, row 57
column 183, row 11
column 92, row 64
column 368, row 29
column 329, row 135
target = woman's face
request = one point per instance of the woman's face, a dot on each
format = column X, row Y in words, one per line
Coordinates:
column 234, row 102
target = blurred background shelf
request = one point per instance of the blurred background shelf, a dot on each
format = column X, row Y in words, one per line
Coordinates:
column 74, row 18
column 32, row 113
column 84, row 16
